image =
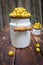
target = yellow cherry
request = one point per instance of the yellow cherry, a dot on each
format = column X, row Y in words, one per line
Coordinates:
column 22, row 15
column 37, row 45
column 29, row 15
column 15, row 9
column 26, row 15
column 38, row 50
column 38, row 23
column 25, row 12
column 10, row 53
column 35, row 24
column 18, row 15
column 10, row 14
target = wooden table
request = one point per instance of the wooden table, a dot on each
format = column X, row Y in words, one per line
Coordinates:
column 26, row 56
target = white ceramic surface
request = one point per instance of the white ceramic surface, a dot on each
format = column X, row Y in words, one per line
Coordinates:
column 20, row 39
column 36, row 32
column 20, row 20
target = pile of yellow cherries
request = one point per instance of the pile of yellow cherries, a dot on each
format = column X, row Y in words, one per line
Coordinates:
column 20, row 12
column 37, row 25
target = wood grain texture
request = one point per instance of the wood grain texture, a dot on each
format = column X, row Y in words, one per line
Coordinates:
column 5, row 47
column 1, row 17
column 26, row 56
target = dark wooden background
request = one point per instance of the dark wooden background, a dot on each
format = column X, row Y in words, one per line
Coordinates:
column 6, row 6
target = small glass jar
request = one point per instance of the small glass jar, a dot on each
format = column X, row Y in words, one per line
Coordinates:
column 37, row 28
column 36, row 31
column 20, row 39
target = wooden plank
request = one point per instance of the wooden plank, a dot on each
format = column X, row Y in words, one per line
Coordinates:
column 27, row 4
column 32, row 9
column 6, row 59
column 1, row 18
column 39, row 39
column 4, row 11
column 5, row 47
column 19, row 3
column 12, row 4
column 38, row 11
